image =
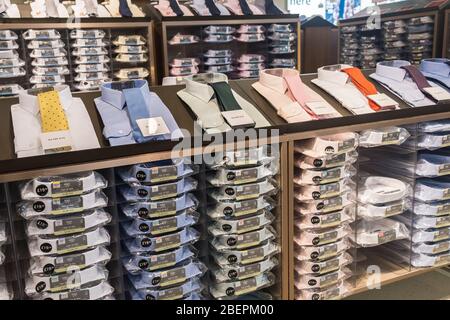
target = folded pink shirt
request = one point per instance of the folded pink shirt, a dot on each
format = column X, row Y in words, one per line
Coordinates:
column 164, row 8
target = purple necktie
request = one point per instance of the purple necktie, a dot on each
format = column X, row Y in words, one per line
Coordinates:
column 419, row 79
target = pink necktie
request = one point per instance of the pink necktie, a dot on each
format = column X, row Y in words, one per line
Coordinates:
column 297, row 93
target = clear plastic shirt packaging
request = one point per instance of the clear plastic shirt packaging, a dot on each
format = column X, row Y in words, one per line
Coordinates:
column 375, row 233
column 48, row 53
column 48, row 44
column 130, row 49
column 2, row 258
column 5, row 292
column 243, row 241
column 68, row 225
column 328, row 145
column 218, row 54
column 90, row 84
column 168, row 277
column 321, row 253
column 219, row 30
column 430, row 248
column 242, row 272
column 144, row 243
column 130, row 40
column 146, row 262
column 220, row 69
column 61, row 206
column 74, row 279
column 101, row 67
column 158, row 209
column 248, row 256
column 175, row 293
column 218, row 38
column 324, row 191
column 313, row 237
column 236, row 209
column 89, row 43
column 420, row 36
column 183, row 39
column 217, row 61
column 132, row 73
column 434, row 126
column 91, row 59
column 89, row 76
column 432, row 190
column 434, row 141
column 41, row 34
column 8, row 35
column 51, row 265
column 251, row 66
column 251, row 28
column 47, row 79
column 440, row 208
column 87, row 34
column 322, row 281
column 12, row 72
column 282, row 50
column 161, row 226
column 283, row 63
column 2, row 234
column 139, row 192
column 156, row 172
column 381, row 137
column 50, row 71
column 323, row 267
column 371, row 212
column 62, row 186
column 243, row 225
column 423, row 260
column 42, row 246
column 9, row 45
column 242, row 158
column 430, row 235
column 131, row 58
column 244, row 192
column 338, row 291
column 328, row 220
column 322, row 206
column 238, row 288
column 50, row 62
column 381, row 190
column 89, row 51
column 223, row 176
column 424, row 222
column 97, row 292
column 325, row 162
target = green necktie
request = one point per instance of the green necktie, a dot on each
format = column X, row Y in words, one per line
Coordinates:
column 224, row 96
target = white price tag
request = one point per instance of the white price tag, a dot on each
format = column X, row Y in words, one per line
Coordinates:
column 383, row 100
column 321, row 108
column 56, row 141
column 152, row 126
column 438, row 93
column 238, row 118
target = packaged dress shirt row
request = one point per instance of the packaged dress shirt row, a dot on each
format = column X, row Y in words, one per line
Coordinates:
column 242, row 237
column 5, row 288
column 11, row 64
column 131, row 54
column 66, row 235
column 158, row 231
column 325, row 205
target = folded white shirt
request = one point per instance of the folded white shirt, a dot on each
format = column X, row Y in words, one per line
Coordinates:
column 380, row 190
column 328, row 145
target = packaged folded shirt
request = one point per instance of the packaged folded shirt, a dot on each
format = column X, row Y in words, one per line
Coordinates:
column 434, row 126
column 235, row 209
column 131, row 40
column 48, row 44
column 322, row 206
column 220, row 69
column 145, row 243
column 433, row 141
column 68, row 225
column 139, row 192
column 218, row 53
column 321, row 253
column 380, row 211
column 146, row 262
column 218, row 38
column 90, row 84
column 440, row 208
column 184, row 62
column 385, row 136
column 251, row 28
column 101, row 67
column 63, row 185
column 89, row 51
column 48, row 53
column 251, row 66
column 217, row 61
column 8, row 35
column 305, row 162
column 87, row 34
column 243, row 241
column 381, row 190
column 10, row 89
column 319, row 268
column 96, row 292
column 219, row 30
column 158, row 209
column 375, row 233
column 432, row 165
column 168, row 277
column 91, row 59
column 12, row 72
column 131, row 58
column 237, row 288
column 431, row 248
column 183, row 71
column 321, row 281
column 86, row 43
column 61, row 206
column 244, row 192
column 432, row 190
column 430, row 235
column 242, row 272
column 47, row 79
column 50, row 62
column 250, row 37
column 424, row 222
column 130, row 49
column 280, row 28
column 243, row 225
column 9, row 45
column 328, row 145
column 328, row 220
column 243, row 158
column 74, row 279
column 337, row 291
column 424, row 260
column 91, row 76
column 174, row 293
column 313, row 237
column 183, row 39
column 51, row 265
column 248, row 256
column 50, row 71
column 132, row 73
column 160, row 226
column 323, row 191
column 223, row 176
column 48, row 34
column 42, row 246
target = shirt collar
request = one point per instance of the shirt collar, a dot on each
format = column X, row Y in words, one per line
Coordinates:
column 273, row 78
column 30, row 102
column 392, row 69
column 334, row 74
column 197, row 85
column 116, row 98
column 438, row 67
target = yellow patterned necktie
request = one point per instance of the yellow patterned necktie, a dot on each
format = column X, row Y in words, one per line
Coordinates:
column 53, row 117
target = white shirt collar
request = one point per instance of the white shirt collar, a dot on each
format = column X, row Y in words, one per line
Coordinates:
column 30, row 102
column 273, row 78
column 334, row 74
column 392, row 69
column 196, row 85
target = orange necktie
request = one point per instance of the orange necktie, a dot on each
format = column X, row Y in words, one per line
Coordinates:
column 365, row 86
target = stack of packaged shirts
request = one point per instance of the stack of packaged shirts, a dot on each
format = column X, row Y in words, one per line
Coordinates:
column 5, row 291
column 324, row 207
column 218, row 35
column 91, row 58
column 158, row 231
column 371, row 50
column 131, row 56
column 215, row 60
column 350, row 46
column 11, row 66
column 242, row 239
column 65, row 219
column 181, row 67
column 249, row 65
column 48, row 57
column 250, row 33
column 395, row 40
column 420, row 38
column 282, row 39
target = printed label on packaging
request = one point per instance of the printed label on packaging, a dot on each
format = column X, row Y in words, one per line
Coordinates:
column 172, row 277
column 393, row 210
column 252, row 255
column 62, row 264
column 164, row 191
column 320, row 108
column 346, row 145
column 329, row 279
column 67, row 205
column 246, row 207
column 163, row 260
column 131, row 41
column 331, row 220
column 248, row 271
column 444, row 169
column 386, row 236
column 75, row 295
column 162, row 209
column 70, row 244
column 134, row 57
column 331, row 175
column 325, row 252
column 441, row 247
column 445, row 141
column 243, row 176
column 56, row 141
column 332, row 294
column 42, row 35
column 164, row 226
column 330, row 265
column 167, row 242
column 249, row 224
column 330, row 190
column 446, row 194
column 441, row 235
column 442, row 259
column 159, row 174
column 248, row 240
column 67, row 188
column 133, row 74
column 69, row 225
column 444, row 209
column 93, row 59
column 64, row 282
column 247, row 192
column 443, row 222
column 245, row 157
column 390, row 138
column 332, row 204
column 171, row 294
column 133, row 49
column 325, row 238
